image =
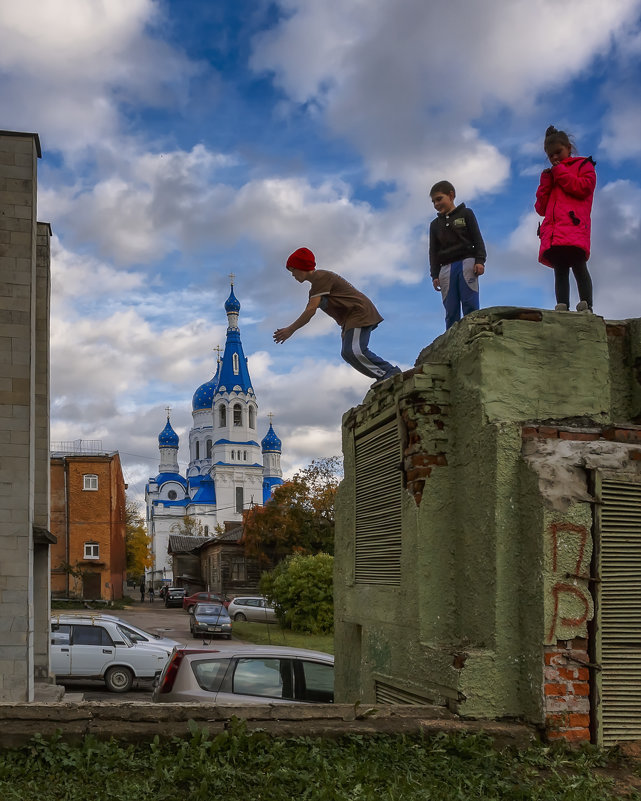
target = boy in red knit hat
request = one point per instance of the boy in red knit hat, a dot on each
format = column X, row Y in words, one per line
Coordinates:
column 352, row 310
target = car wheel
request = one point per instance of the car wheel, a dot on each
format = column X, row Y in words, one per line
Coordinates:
column 240, row 616
column 119, row 679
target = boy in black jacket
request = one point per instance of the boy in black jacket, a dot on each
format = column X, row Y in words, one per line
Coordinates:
column 457, row 253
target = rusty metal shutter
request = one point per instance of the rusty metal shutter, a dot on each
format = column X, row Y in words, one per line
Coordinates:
column 377, row 551
column 619, row 611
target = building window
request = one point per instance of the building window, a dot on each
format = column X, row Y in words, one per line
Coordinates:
column 197, row 449
column 206, row 531
column 244, row 456
column 222, row 415
column 90, row 482
column 238, row 570
column 92, row 550
column 172, row 495
column 252, row 417
column 236, row 364
column 238, row 414
column 233, row 455
column 209, row 449
column 239, row 500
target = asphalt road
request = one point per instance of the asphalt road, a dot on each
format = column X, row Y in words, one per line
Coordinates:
column 153, row 617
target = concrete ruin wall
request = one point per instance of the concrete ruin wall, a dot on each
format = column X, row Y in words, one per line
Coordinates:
column 24, row 422
column 501, row 426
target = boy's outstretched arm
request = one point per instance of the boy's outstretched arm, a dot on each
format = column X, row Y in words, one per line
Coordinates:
column 281, row 334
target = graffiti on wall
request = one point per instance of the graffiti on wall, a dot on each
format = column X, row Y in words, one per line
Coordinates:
column 569, row 604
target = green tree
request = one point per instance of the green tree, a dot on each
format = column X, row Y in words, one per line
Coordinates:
column 302, row 591
column 299, row 517
column 137, row 542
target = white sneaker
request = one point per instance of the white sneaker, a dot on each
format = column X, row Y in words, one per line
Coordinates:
column 561, row 307
column 582, row 306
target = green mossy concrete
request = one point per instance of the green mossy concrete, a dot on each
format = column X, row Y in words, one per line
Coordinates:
column 476, row 604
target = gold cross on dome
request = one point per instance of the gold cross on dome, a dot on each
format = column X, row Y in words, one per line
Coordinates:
column 218, row 348
column 167, row 409
column 231, row 278
column 271, row 417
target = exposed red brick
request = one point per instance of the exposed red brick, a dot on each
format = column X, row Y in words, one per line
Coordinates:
column 555, row 689
column 529, row 432
column 580, row 689
column 635, row 455
column 615, row 330
column 552, row 658
column 583, row 674
column 568, row 673
column 576, row 735
column 632, row 435
column 548, row 432
column 578, row 436
column 577, row 721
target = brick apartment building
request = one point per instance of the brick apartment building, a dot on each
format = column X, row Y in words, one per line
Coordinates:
column 88, row 519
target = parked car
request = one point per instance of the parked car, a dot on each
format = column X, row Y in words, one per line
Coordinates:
column 247, row 674
column 190, row 602
column 98, row 648
column 137, row 635
column 209, row 619
column 174, row 596
column 255, row 608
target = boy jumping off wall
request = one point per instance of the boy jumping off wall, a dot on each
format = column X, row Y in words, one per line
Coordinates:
column 457, row 253
column 352, row 310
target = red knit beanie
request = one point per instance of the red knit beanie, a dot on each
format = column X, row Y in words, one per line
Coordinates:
column 301, row 259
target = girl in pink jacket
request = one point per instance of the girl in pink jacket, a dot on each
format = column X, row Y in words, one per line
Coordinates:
column 564, row 200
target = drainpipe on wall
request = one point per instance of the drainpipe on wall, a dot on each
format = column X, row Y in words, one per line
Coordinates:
column 66, row 482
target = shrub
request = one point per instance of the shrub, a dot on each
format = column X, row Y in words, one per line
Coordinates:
column 301, row 589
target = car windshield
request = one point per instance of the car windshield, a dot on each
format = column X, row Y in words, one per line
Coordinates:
column 201, row 609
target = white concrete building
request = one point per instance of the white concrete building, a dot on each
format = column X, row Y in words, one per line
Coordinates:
column 229, row 470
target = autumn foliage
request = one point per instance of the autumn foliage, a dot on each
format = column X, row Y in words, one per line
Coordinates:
column 299, row 518
column 137, row 542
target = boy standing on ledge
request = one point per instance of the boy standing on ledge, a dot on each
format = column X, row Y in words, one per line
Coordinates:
column 457, row 253
column 352, row 310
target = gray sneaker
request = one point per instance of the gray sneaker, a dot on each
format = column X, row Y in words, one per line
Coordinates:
column 582, row 306
column 561, row 307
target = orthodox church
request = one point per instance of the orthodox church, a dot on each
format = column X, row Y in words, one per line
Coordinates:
column 228, row 470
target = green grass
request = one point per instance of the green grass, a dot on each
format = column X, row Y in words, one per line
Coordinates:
column 237, row 766
column 272, row 634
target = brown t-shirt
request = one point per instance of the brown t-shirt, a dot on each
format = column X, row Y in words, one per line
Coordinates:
column 349, row 307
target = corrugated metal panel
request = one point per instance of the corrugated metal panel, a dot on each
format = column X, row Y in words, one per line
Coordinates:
column 619, row 612
column 388, row 694
column 377, row 550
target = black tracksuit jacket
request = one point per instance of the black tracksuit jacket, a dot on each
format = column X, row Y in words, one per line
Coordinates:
column 454, row 237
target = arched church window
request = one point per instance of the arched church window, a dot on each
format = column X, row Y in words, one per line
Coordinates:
column 209, row 449
column 238, row 414
column 236, row 364
column 197, row 449
column 222, row 415
column 252, row 417
column 244, row 456
column 233, row 455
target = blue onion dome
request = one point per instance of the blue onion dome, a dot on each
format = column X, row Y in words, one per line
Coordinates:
column 168, row 437
column 271, row 442
column 204, row 395
column 232, row 304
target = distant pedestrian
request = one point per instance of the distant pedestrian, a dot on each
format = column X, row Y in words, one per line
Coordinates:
column 352, row 310
column 457, row 253
column 150, row 593
column 564, row 200
column 142, row 592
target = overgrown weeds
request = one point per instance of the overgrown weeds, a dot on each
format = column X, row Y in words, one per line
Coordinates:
column 241, row 766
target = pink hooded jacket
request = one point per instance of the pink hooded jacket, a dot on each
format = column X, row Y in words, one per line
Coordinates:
column 564, row 199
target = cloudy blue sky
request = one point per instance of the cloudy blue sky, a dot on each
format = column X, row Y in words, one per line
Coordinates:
column 186, row 139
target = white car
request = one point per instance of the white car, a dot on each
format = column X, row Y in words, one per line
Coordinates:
column 139, row 636
column 98, row 648
column 255, row 608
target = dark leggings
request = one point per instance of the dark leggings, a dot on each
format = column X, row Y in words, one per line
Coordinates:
column 566, row 257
